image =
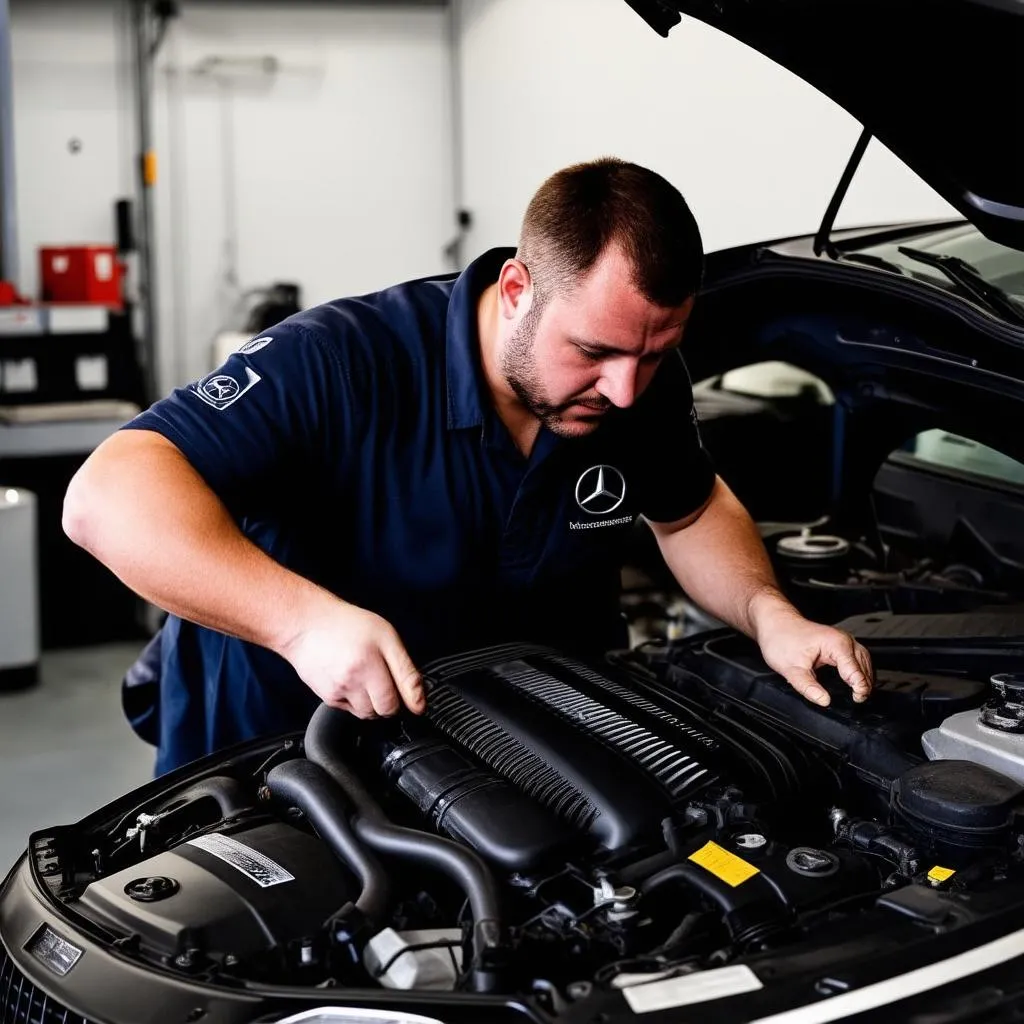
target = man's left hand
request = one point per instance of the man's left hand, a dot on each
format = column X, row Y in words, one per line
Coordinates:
column 794, row 647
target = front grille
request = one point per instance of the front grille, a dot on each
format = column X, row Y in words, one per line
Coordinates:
column 22, row 1003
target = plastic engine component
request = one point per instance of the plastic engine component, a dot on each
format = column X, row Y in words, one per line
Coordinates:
column 874, row 739
column 759, row 888
column 405, row 960
column 595, row 752
column 244, row 892
column 993, row 736
column 963, row 737
column 476, row 805
column 959, row 803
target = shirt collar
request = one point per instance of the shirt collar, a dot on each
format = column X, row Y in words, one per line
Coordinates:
column 467, row 389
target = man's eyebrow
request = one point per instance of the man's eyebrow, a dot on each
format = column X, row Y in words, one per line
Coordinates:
column 600, row 346
column 603, row 348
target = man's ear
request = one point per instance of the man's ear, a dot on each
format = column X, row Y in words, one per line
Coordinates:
column 515, row 289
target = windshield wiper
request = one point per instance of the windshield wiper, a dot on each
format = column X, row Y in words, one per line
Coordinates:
column 869, row 260
column 970, row 280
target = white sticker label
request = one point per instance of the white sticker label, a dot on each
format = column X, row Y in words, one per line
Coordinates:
column 55, row 951
column 253, row 864
column 691, row 988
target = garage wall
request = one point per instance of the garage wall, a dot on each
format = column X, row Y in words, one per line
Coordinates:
column 756, row 151
column 333, row 170
column 70, row 83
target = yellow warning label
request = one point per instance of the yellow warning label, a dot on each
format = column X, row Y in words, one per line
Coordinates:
column 938, row 874
column 722, row 864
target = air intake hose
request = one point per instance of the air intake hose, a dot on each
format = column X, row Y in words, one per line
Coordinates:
column 302, row 784
column 328, row 731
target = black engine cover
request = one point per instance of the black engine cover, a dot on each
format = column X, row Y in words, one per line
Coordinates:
column 598, row 749
column 244, row 892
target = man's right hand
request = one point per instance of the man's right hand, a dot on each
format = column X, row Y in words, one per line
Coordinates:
column 354, row 660
column 137, row 485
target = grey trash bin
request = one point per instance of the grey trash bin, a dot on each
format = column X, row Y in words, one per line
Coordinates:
column 19, row 589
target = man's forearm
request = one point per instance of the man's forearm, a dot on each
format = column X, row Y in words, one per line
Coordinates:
column 140, row 509
column 721, row 562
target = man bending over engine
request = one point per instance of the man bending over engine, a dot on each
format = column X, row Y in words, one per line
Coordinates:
column 444, row 464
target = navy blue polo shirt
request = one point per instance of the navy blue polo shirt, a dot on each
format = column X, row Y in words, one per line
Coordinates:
column 356, row 443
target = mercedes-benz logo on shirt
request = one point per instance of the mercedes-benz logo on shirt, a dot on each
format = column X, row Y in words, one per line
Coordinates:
column 221, row 388
column 600, row 490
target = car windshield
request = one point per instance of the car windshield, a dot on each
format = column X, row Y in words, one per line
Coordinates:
column 999, row 265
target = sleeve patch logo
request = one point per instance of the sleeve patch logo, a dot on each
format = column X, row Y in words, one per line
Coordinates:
column 255, row 345
column 223, row 389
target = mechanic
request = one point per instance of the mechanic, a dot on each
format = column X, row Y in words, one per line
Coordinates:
column 445, row 464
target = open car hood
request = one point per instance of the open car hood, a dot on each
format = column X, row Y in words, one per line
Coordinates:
column 937, row 81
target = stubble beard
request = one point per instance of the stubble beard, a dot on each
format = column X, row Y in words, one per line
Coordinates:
column 519, row 368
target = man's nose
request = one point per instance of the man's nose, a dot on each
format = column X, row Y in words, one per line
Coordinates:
column 618, row 382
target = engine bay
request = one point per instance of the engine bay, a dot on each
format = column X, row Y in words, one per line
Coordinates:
column 567, row 832
column 830, row 574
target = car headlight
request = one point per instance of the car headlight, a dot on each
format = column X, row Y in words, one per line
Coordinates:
column 341, row 1015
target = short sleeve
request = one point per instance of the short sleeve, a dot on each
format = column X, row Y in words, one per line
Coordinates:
column 675, row 470
column 272, row 406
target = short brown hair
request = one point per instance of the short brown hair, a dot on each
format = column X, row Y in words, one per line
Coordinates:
column 580, row 209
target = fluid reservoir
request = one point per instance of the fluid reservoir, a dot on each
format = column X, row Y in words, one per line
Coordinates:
column 992, row 735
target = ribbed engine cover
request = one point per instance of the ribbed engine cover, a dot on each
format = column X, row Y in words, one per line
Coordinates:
column 600, row 756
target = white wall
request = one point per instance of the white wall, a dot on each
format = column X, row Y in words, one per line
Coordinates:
column 70, row 80
column 334, row 172
column 756, row 151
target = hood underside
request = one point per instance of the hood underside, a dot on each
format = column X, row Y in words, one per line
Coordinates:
column 937, row 82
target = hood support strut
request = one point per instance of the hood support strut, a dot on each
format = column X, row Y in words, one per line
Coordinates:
column 821, row 239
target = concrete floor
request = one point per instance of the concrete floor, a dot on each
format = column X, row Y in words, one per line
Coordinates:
column 65, row 746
